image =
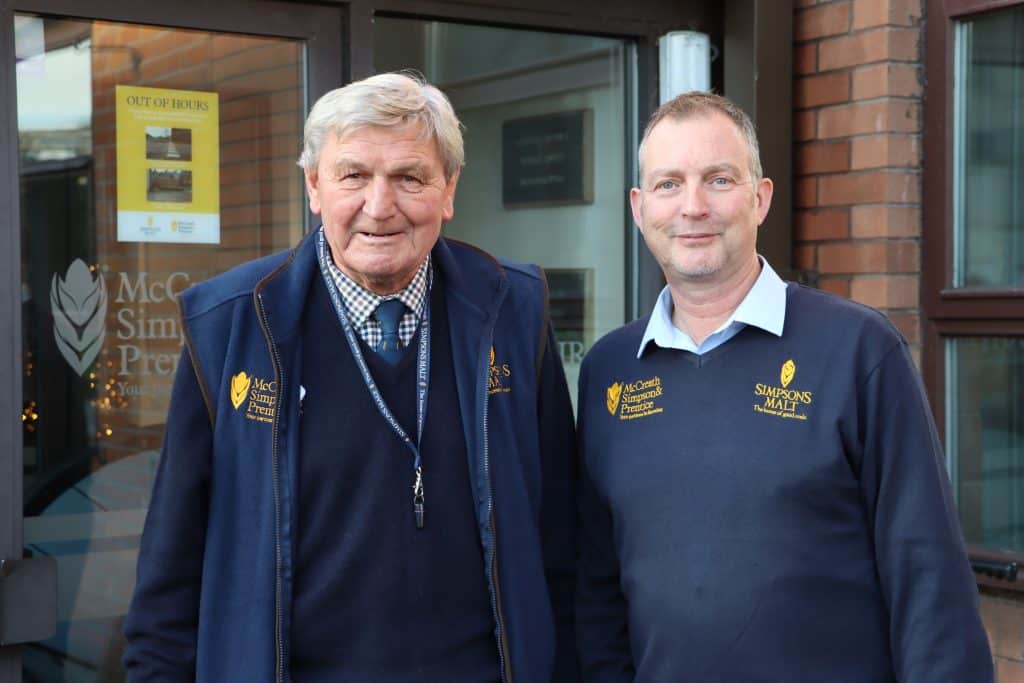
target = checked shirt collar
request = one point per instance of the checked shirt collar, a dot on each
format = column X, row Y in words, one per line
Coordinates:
column 360, row 303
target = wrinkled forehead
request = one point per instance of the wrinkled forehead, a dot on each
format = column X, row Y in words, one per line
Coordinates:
column 400, row 128
column 411, row 136
column 408, row 137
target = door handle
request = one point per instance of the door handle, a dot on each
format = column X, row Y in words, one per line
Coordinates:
column 28, row 600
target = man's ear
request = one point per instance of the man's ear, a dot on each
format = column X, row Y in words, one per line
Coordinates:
column 763, row 195
column 448, row 211
column 636, row 203
column 312, row 190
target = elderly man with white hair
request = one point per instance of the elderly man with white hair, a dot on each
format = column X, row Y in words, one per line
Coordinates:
column 367, row 471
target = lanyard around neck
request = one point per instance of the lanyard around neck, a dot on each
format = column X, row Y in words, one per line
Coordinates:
column 422, row 375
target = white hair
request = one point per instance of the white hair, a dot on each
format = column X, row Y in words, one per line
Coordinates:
column 389, row 99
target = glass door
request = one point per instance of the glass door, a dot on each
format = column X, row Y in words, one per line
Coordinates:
column 148, row 158
column 547, row 128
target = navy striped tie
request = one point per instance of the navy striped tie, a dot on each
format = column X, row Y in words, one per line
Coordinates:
column 389, row 314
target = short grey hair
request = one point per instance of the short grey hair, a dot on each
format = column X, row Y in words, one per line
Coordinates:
column 389, row 99
column 698, row 103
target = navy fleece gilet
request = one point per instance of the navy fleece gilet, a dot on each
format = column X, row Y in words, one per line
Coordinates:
column 375, row 598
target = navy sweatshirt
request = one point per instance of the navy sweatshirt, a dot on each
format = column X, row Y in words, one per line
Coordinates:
column 774, row 510
column 377, row 599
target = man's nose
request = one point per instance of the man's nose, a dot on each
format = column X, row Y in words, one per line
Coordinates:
column 694, row 200
column 379, row 199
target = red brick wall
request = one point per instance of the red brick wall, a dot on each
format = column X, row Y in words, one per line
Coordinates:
column 857, row 156
column 858, row 99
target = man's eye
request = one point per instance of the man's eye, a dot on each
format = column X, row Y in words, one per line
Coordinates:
column 666, row 185
column 410, row 183
column 721, row 181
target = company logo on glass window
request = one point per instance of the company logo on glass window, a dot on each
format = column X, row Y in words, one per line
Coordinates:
column 78, row 302
column 146, row 336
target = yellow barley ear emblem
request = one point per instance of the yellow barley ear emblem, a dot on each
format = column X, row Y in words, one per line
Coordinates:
column 239, row 388
column 612, row 397
column 788, row 370
column 492, row 356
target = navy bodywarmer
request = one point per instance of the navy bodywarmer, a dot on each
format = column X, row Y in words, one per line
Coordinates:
column 377, row 599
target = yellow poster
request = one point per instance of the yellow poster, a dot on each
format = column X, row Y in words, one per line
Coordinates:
column 168, row 166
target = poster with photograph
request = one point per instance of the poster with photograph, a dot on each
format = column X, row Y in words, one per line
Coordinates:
column 168, row 166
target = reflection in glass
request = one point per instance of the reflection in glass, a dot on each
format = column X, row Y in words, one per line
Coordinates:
column 545, row 178
column 101, row 336
column 989, row 151
column 985, row 435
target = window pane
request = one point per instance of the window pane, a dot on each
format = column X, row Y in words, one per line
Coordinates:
column 198, row 133
column 989, row 151
column 545, row 178
column 985, row 434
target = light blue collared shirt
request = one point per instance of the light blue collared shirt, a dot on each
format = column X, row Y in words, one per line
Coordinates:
column 764, row 306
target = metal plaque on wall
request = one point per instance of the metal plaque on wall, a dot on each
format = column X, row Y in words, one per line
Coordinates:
column 548, row 160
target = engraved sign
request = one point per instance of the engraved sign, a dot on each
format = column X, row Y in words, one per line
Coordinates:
column 548, row 160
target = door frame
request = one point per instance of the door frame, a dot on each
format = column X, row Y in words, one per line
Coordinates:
column 320, row 26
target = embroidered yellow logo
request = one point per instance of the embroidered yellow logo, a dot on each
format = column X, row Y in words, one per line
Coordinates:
column 781, row 401
column 788, row 370
column 499, row 378
column 630, row 400
column 259, row 396
column 239, row 389
column 612, row 397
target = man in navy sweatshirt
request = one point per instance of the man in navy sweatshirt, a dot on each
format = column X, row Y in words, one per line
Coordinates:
column 368, row 466
column 763, row 493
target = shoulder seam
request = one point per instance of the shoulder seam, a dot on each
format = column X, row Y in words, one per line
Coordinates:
column 478, row 250
column 527, row 269
column 881, row 359
column 226, row 299
column 249, row 290
column 874, row 312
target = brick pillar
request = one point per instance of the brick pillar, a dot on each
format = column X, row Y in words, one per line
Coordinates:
column 857, row 156
column 857, row 197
